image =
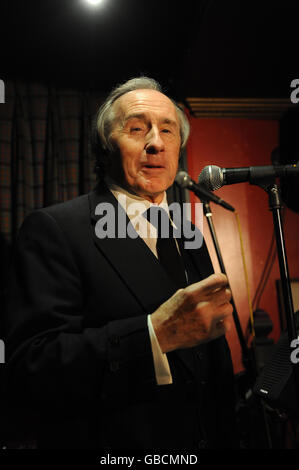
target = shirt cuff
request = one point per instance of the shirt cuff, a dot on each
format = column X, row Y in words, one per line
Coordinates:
column 162, row 369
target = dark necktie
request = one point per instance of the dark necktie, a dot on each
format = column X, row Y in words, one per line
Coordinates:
column 167, row 251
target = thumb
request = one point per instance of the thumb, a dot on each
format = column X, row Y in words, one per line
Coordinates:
column 214, row 282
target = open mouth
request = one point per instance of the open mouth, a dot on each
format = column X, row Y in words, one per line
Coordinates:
column 152, row 166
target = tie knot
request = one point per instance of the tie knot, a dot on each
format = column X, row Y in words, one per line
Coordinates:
column 159, row 218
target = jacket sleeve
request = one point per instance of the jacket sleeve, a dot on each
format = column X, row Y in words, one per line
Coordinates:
column 52, row 358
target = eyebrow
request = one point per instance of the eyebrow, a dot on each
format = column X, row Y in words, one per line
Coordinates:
column 143, row 117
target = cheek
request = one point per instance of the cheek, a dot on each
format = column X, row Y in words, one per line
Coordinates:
column 173, row 163
column 130, row 163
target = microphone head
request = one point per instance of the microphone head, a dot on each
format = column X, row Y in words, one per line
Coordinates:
column 182, row 179
column 211, row 177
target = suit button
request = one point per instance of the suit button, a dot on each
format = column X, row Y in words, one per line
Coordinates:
column 203, row 383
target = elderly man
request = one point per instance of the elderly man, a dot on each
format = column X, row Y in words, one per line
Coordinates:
column 111, row 347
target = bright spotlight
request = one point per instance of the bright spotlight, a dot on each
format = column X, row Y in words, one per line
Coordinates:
column 94, row 2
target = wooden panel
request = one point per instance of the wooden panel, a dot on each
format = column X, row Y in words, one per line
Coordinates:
column 238, row 107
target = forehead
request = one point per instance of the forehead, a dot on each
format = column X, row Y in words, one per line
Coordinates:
column 145, row 101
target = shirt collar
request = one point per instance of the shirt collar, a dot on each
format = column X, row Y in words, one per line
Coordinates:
column 126, row 199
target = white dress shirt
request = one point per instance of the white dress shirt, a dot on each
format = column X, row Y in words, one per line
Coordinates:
column 148, row 233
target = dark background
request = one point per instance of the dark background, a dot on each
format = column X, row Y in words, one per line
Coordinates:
column 207, row 48
column 195, row 48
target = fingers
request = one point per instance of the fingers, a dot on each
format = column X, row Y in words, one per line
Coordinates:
column 223, row 320
column 212, row 289
column 222, row 296
column 214, row 282
column 208, row 286
column 195, row 314
column 222, row 326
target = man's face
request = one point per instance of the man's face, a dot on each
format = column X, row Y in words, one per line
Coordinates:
column 146, row 133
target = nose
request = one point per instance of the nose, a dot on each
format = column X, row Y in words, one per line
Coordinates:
column 154, row 142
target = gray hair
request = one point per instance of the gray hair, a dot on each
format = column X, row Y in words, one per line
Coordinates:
column 102, row 126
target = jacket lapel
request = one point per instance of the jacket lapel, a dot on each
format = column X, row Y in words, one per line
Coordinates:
column 130, row 257
column 137, row 265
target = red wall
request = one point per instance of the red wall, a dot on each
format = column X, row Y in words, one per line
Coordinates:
column 233, row 143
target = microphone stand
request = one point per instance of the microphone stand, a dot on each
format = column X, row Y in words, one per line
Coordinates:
column 275, row 206
column 245, row 352
column 249, row 361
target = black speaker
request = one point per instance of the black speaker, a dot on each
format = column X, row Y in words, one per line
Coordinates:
column 276, row 382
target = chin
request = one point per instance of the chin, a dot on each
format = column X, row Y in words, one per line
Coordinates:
column 151, row 186
column 154, row 188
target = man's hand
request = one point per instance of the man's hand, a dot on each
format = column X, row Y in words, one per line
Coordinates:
column 197, row 314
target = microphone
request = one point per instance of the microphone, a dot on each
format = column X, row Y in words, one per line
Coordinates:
column 183, row 180
column 213, row 177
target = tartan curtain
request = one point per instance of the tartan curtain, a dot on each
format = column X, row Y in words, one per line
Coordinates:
column 44, row 150
column 44, row 159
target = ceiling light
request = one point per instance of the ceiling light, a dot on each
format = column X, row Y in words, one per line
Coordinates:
column 94, row 2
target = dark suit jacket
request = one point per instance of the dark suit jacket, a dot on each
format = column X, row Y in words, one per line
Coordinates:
column 78, row 347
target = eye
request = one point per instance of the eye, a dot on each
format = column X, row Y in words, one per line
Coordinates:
column 136, row 130
column 166, row 130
